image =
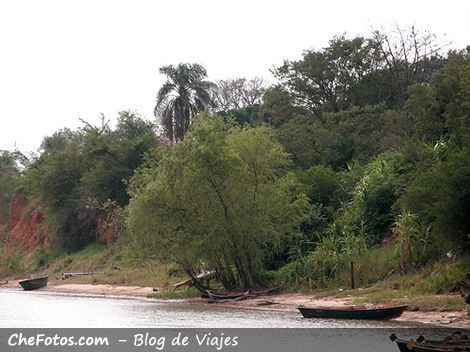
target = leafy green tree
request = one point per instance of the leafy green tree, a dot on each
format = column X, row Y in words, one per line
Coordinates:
column 131, row 126
column 182, row 96
column 439, row 193
column 343, row 136
column 305, row 139
column 220, row 199
column 440, row 108
column 246, row 116
column 81, row 171
column 451, row 90
column 278, row 107
column 318, row 183
column 57, row 141
column 325, row 80
column 11, row 164
column 420, row 108
column 55, row 180
column 112, row 156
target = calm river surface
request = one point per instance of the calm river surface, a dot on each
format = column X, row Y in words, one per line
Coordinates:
column 36, row 309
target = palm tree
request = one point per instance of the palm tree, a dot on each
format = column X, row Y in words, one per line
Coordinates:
column 183, row 95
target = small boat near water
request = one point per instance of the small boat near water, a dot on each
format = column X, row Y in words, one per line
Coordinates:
column 449, row 344
column 381, row 313
column 33, row 284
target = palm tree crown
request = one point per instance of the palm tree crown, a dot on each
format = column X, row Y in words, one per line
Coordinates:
column 183, row 95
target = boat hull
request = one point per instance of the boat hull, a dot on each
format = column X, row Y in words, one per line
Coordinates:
column 33, row 284
column 404, row 346
column 366, row 314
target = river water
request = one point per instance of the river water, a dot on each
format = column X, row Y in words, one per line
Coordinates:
column 36, row 309
column 20, row 310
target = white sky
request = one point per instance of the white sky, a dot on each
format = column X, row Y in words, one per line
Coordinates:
column 61, row 60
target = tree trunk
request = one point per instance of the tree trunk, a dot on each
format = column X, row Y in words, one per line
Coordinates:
column 199, row 284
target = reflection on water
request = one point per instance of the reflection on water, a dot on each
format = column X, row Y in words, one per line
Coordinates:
column 36, row 309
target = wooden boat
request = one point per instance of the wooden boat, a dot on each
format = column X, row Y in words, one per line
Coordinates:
column 464, row 288
column 226, row 295
column 353, row 312
column 410, row 346
column 33, row 284
column 423, row 345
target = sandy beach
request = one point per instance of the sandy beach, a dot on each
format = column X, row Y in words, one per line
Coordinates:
column 274, row 302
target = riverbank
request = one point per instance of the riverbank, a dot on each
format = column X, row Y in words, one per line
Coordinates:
column 91, row 290
column 290, row 302
column 284, row 301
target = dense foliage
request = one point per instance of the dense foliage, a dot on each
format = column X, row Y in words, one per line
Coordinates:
column 182, row 96
column 359, row 152
column 219, row 200
column 11, row 164
column 81, row 170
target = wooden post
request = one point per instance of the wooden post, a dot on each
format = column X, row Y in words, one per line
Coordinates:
column 352, row 276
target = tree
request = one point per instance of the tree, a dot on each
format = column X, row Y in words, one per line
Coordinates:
column 318, row 183
column 326, row 80
column 55, row 181
column 131, row 126
column 57, row 141
column 220, row 199
column 237, row 93
column 440, row 108
column 305, row 139
column 451, row 88
column 410, row 56
column 278, row 107
column 182, row 96
column 439, row 193
column 343, row 136
column 80, row 171
column 11, row 165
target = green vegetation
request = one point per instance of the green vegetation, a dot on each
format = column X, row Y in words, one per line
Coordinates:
column 175, row 294
column 359, row 153
column 11, row 164
column 82, row 173
column 181, row 97
column 221, row 200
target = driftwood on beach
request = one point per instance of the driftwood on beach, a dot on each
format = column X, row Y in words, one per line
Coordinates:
column 64, row 276
column 204, row 275
column 220, row 297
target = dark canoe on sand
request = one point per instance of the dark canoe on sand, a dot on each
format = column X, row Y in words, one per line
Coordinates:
column 353, row 312
column 32, row 284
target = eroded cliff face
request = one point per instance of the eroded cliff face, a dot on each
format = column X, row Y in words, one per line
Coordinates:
column 107, row 232
column 15, row 210
column 26, row 227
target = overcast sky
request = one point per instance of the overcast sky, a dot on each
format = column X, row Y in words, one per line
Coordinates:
column 64, row 60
